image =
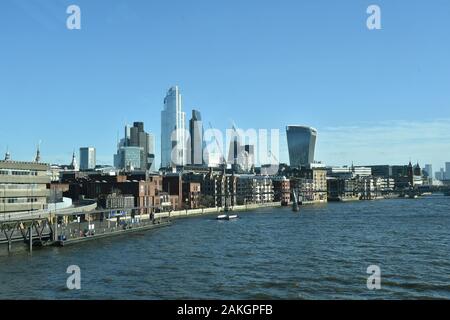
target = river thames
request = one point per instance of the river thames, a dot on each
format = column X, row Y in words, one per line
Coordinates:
column 320, row 253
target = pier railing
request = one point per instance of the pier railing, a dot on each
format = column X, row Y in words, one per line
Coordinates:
column 76, row 230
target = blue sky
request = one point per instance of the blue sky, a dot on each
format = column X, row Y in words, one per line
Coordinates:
column 379, row 96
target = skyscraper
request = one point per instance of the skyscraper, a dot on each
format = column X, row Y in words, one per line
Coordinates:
column 301, row 145
column 235, row 147
column 248, row 157
column 136, row 141
column 173, row 127
column 429, row 170
column 447, row 171
column 87, row 158
column 129, row 158
column 196, row 138
column 440, row 175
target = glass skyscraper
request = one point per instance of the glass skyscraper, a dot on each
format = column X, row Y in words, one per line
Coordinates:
column 87, row 158
column 173, row 128
column 301, row 145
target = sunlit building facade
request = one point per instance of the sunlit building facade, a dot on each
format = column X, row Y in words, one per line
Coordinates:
column 173, row 128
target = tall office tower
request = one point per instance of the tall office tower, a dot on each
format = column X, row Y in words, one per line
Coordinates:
column 127, row 137
column 141, row 139
column 429, row 170
column 248, row 157
column 173, row 127
column 196, row 139
column 136, row 141
column 87, row 158
column 129, row 158
column 447, row 171
column 235, row 148
column 440, row 175
column 301, row 145
column 151, row 152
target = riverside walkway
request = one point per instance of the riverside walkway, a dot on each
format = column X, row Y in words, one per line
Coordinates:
column 84, row 223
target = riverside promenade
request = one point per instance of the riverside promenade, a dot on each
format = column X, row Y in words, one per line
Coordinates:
column 216, row 210
column 69, row 227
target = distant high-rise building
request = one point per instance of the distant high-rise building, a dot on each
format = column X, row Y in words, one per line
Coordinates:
column 248, row 157
column 301, row 145
column 129, row 158
column 196, row 139
column 440, row 175
column 140, row 138
column 429, row 170
column 234, row 150
column 173, row 127
column 87, row 158
column 447, row 171
column 136, row 140
column 151, row 152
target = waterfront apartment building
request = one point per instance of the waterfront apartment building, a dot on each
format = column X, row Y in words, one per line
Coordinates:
column 301, row 145
column 87, row 158
column 310, row 184
column 172, row 183
column 24, row 186
column 221, row 187
column 281, row 189
column 173, row 127
column 254, row 189
column 145, row 189
column 342, row 189
column 191, row 194
column 116, row 201
column 350, row 171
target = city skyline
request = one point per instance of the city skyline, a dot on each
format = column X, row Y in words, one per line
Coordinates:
column 377, row 86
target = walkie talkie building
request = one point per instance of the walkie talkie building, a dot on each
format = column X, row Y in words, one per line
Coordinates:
column 301, row 145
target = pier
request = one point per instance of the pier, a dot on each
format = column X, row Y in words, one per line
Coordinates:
column 76, row 224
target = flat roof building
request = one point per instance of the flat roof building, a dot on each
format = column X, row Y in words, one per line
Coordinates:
column 23, row 186
column 87, row 158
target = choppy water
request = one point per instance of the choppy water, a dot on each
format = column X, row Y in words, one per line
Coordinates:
column 321, row 253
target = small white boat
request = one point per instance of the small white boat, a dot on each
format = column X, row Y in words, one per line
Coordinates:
column 227, row 217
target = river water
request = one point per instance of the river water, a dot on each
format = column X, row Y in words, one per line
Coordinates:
column 323, row 252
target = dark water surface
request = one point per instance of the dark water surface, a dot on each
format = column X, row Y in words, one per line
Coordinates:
column 320, row 253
